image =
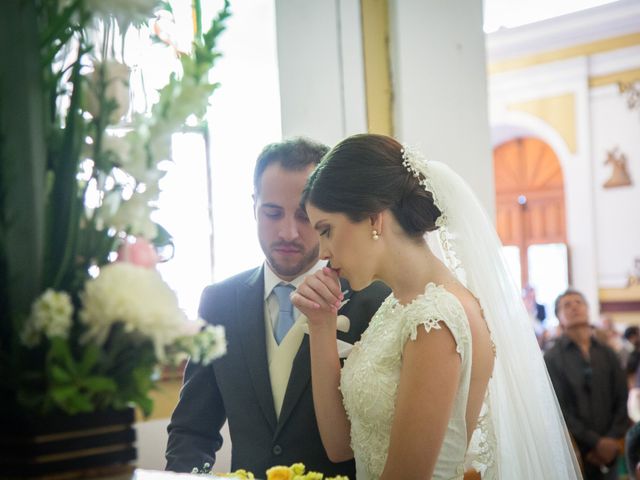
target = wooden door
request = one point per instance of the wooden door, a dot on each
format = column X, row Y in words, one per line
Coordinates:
column 529, row 196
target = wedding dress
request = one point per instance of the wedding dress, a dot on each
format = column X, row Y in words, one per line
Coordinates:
column 371, row 372
column 521, row 433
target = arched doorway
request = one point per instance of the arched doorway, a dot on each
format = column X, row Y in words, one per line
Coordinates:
column 530, row 207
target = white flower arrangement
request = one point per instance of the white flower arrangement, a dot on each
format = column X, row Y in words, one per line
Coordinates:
column 86, row 190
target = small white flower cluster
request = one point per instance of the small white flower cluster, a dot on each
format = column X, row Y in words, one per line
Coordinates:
column 50, row 316
column 137, row 298
column 208, row 345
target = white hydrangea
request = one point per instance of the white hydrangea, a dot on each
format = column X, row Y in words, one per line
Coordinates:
column 138, row 298
column 51, row 316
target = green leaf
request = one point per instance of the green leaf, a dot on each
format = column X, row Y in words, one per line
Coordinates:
column 163, row 237
column 62, row 394
column 145, row 404
column 89, row 359
column 99, row 384
column 65, row 206
column 60, row 352
column 60, row 25
column 79, row 403
column 59, row 375
column 23, row 162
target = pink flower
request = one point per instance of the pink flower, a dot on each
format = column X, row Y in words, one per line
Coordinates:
column 138, row 252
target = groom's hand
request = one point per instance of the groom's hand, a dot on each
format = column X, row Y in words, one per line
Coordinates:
column 319, row 297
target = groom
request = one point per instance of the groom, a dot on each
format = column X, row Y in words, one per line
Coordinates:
column 262, row 385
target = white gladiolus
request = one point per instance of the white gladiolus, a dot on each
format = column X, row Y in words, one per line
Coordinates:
column 136, row 297
column 134, row 214
column 105, row 212
column 117, row 89
column 126, row 12
column 50, row 316
column 130, row 153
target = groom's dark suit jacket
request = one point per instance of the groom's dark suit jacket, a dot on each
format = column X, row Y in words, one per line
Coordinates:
column 237, row 387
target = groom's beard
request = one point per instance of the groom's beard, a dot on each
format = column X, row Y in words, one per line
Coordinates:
column 292, row 268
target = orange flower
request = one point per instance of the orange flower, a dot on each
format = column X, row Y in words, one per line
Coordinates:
column 279, row 473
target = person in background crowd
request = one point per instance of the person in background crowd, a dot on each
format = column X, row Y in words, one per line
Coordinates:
column 630, row 351
column 591, row 388
column 536, row 311
column 607, row 333
column 632, row 451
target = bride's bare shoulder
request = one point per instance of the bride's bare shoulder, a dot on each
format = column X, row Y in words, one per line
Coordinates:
column 472, row 308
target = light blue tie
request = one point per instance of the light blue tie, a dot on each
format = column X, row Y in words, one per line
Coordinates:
column 285, row 314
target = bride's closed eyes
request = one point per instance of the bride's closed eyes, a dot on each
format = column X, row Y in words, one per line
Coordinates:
column 323, row 229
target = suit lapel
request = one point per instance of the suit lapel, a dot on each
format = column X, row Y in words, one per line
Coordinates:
column 298, row 382
column 250, row 304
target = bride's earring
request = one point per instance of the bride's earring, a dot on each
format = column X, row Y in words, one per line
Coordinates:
column 374, row 234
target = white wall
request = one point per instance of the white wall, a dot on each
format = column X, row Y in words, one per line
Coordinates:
column 617, row 209
column 321, row 69
column 438, row 77
column 440, row 87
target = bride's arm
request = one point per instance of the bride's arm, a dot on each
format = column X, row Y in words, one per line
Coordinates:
column 426, row 393
column 319, row 298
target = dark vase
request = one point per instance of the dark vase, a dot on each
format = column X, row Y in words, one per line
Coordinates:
column 67, row 447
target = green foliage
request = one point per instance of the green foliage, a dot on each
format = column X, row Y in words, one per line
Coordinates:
column 73, row 385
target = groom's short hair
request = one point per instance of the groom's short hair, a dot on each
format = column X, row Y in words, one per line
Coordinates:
column 294, row 154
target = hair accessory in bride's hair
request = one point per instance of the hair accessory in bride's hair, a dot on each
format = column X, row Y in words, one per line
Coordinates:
column 409, row 160
column 414, row 163
column 418, row 166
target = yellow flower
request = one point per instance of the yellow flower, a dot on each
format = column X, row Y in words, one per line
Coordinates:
column 298, row 468
column 312, row 476
column 280, row 473
column 238, row 475
column 244, row 474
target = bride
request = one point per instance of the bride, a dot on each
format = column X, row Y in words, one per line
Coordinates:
column 448, row 374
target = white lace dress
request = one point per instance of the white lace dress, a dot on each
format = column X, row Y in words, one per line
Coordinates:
column 371, row 373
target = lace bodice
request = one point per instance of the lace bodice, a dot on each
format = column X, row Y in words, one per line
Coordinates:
column 371, row 373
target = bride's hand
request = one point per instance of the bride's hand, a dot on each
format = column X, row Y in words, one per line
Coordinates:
column 319, row 297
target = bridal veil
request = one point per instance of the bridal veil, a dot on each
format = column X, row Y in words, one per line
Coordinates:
column 521, row 432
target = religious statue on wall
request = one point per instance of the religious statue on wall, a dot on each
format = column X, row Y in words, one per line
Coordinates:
column 620, row 174
column 632, row 91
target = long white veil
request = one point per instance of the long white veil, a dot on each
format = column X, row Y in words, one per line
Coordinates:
column 521, row 433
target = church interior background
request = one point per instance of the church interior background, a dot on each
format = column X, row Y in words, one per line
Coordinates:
column 543, row 118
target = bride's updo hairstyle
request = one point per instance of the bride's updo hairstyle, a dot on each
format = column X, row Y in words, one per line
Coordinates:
column 364, row 175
